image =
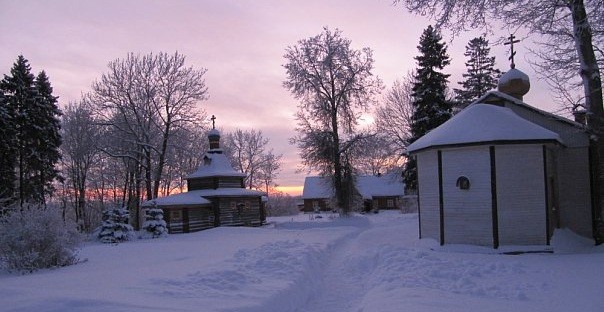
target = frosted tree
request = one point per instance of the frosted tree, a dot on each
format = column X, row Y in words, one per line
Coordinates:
column 246, row 150
column 81, row 133
column 571, row 33
column 143, row 100
column 393, row 116
column 430, row 105
column 115, row 227
column 270, row 167
column 155, row 225
column 481, row 75
column 334, row 84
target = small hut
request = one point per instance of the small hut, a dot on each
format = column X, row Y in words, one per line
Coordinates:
column 502, row 172
column 216, row 196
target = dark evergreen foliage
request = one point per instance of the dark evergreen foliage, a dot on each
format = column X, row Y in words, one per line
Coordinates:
column 31, row 137
column 481, row 75
column 431, row 108
column 7, row 152
column 50, row 138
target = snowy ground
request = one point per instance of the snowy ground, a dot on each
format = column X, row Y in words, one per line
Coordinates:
column 363, row 263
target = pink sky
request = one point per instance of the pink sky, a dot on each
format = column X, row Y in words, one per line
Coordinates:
column 241, row 43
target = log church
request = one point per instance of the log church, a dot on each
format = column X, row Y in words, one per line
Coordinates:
column 216, row 196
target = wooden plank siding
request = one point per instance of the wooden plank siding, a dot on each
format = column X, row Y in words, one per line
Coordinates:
column 521, row 198
column 214, row 183
column 467, row 213
column 427, row 165
column 321, row 202
column 188, row 219
column 239, row 211
column 574, row 190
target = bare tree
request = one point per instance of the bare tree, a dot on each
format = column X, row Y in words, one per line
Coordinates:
column 573, row 33
column 143, row 100
column 269, row 168
column 333, row 82
column 376, row 154
column 80, row 134
column 247, row 151
column 393, row 117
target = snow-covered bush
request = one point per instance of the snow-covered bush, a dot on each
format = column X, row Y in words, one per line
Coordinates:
column 280, row 204
column 34, row 238
column 155, row 225
column 115, row 227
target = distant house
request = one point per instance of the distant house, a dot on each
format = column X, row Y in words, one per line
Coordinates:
column 380, row 192
column 317, row 193
column 376, row 192
column 502, row 172
column 216, row 197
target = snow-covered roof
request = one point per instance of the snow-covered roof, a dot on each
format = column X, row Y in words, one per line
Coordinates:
column 183, row 199
column 384, row 185
column 317, row 187
column 367, row 186
column 511, row 99
column 483, row 123
column 215, row 165
column 199, row 197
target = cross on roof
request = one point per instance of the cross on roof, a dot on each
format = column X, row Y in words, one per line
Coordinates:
column 213, row 122
column 512, row 52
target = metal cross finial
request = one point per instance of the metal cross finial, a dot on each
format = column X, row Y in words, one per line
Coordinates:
column 213, row 122
column 512, row 52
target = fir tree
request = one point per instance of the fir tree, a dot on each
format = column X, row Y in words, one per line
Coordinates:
column 21, row 97
column 430, row 105
column 7, row 152
column 115, row 227
column 481, row 75
column 32, row 138
column 50, row 139
column 154, row 225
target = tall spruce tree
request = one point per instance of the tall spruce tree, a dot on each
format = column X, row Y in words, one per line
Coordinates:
column 431, row 107
column 481, row 75
column 7, row 148
column 33, row 133
column 47, row 118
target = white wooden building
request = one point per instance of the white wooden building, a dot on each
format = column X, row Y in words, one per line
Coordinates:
column 502, row 172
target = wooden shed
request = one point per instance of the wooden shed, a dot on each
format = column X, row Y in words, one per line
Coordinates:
column 503, row 173
column 216, row 196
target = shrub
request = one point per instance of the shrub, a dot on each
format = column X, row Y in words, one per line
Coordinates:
column 115, row 227
column 34, row 238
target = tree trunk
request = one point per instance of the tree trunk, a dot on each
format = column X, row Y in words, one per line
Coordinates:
column 337, row 167
column 592, row 85
column 162, row 157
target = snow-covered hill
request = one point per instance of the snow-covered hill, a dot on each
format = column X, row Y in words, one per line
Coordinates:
column 362, row 263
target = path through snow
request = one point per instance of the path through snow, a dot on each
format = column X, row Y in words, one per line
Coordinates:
column 372, row 263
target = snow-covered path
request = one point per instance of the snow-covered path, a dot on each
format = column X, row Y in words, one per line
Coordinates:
column 340, row 285
column 358, row 264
